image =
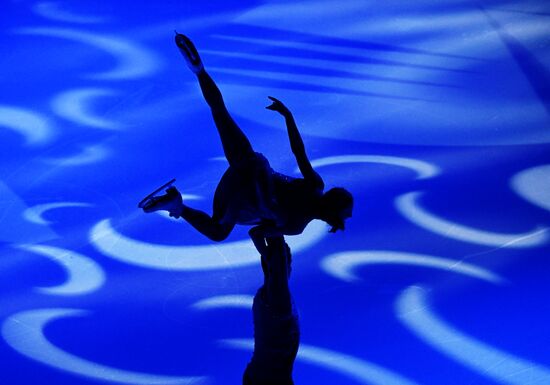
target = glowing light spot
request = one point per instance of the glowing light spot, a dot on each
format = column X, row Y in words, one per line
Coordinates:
column 203, row 257
column 413, row 309
column 341, row 265
column 24, row 333
column 89, row 155
column 84, row 275
column 73, row 105
column 34, row 127
column 424, row 170
column 533, row 185
column 52, row 10
column 134, row 61
column 34, row 214
column 225, row 301
column 407, row 205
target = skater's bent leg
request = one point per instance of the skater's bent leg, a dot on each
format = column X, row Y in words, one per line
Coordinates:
column 236, row 145
column 205, row 224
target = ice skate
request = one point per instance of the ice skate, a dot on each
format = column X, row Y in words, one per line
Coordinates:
column 189, row 52
column 171, row 201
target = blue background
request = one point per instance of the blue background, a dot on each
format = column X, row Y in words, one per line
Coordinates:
column 99, row 108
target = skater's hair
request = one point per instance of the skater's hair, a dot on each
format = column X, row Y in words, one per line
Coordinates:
column 337, row 199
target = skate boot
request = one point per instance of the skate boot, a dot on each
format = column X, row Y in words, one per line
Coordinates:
column 189, row 52
column 171, row 201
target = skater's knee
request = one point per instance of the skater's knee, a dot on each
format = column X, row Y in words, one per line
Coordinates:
column 218, row 237
column 220, row 232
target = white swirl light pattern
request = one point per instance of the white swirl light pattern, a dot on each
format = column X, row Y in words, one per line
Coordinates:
column 202, row 257
column 19, row 230
column 407, row 205
column 533, row 185
column 74, row 106
column 362, row 371
column 225, row 301
column 24, row 332
column 52, row 10
column 424, row 170
column 84, row 275
column 341, row 265
column 34, row 127
column 134, row 61
column 88, row 155
column 413, row 310
column 34, row 214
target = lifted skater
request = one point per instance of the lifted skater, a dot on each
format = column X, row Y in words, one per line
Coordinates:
column 250, row 192
column 276, row 327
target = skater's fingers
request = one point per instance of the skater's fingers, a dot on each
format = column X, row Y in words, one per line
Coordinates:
column 274, row 99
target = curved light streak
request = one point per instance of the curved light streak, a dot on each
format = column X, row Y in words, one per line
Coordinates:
column 34, row 127
column 84, row 275
column 202, row 257
column 134, row 61
column 407, row 205
column 73, row 105
column 34, row 214
column 51, row 10
column 88, row 155
column 424, row 170
column 413, row 310
column 533, row 185
column 24, row 332
column 362, row 371
column 341, row 265
column 225, row 301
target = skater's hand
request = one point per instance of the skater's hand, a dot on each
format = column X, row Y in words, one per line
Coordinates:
column 278, row 106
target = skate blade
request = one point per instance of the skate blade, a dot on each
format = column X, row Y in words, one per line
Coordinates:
column 144, row 202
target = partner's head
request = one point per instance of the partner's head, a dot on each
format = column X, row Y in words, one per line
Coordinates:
column 336, row 207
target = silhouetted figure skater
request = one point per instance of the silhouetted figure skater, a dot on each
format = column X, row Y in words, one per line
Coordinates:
column 276, row 328
column 250, row 192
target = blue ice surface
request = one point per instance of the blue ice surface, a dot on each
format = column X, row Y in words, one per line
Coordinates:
column 99, row 109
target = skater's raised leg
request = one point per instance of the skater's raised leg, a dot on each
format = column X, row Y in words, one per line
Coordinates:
column 204, row 223
column 236, row 145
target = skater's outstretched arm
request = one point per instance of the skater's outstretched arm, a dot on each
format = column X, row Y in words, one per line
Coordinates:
column 296, row 143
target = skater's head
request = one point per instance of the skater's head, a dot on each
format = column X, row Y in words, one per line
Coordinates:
column 336, row 207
